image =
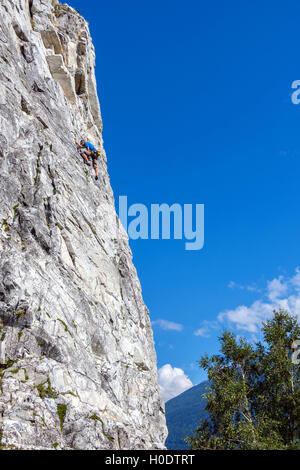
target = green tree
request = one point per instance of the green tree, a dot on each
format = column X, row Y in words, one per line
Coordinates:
column 253, row 398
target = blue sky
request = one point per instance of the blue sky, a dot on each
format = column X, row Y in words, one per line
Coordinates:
column 196, row 106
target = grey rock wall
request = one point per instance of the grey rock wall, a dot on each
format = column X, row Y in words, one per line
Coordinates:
column 77, row 359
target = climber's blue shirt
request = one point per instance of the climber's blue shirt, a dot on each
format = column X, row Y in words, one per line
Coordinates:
column 90, row 146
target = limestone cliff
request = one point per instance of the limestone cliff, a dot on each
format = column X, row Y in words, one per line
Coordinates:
column 77, row 360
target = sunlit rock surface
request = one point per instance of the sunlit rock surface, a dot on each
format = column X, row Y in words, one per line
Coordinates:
column 77, row 360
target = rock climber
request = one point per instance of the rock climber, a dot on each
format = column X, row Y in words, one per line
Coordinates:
column 88, row 151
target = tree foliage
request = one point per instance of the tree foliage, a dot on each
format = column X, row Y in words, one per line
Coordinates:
column 253, row 399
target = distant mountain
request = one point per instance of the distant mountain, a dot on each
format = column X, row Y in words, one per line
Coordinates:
column 183, row 414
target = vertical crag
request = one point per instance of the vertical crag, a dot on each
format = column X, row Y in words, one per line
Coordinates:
column 75, row 336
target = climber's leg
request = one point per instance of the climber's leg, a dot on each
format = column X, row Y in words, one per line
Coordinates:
column 95, row 166
column 85, row 156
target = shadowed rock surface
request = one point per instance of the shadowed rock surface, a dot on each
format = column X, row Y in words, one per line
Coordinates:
column 77, row 360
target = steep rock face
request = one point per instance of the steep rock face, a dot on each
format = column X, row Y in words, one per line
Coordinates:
column 77, row 360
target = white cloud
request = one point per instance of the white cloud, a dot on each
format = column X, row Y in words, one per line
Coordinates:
column 253, row 288
column 172, row 381
column 206, row 327
column 249, row 287
column 248, row 318
column 233, row 285
column 276, row 288
column 168, row 325
column 295, row 281
column 279, row 293
column 204, row 332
